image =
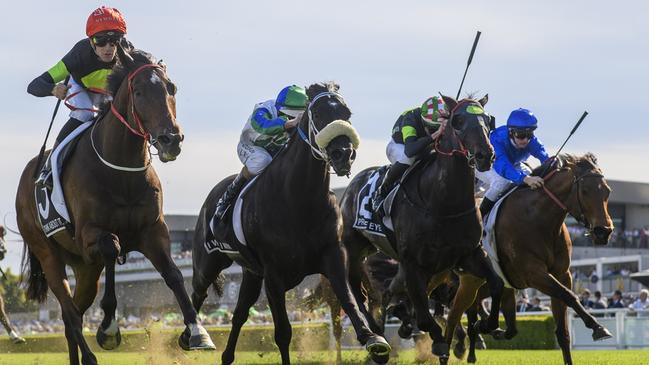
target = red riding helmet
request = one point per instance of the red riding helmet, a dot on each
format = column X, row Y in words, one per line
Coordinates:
column 105, row 19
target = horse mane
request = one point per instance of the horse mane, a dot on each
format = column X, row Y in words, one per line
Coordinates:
column 120, row 71
column 321, row 87
column 586, row 162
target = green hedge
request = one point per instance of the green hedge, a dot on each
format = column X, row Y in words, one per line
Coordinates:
column 315, row 337
column 534, row 333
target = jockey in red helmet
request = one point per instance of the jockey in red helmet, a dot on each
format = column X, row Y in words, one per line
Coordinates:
column 88, row 65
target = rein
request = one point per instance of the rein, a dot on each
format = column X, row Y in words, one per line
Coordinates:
column 141, row 132
column 579, row 217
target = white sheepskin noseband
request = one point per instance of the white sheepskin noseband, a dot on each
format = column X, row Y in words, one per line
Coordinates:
column 334, row 129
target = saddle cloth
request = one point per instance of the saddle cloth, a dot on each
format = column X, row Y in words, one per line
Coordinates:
column 215, row 239
column 367, row 220
column 489, row 239
column 52, row 210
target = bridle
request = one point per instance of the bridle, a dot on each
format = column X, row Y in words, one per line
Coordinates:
column 579, row 215
column 317, row 152
column 140, row 131
column 463, row 151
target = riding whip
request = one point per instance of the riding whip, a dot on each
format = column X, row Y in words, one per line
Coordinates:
column 475, row 44
column 40, row 154
column 583, row 116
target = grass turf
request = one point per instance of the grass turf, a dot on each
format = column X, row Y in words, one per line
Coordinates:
column 486, row 357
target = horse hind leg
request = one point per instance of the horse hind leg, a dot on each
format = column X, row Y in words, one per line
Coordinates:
column 207, row 272
column 248, row 295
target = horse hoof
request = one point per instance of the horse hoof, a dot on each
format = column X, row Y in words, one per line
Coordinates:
column 405, row 331
column 443, row 360
column 183, row 339
column 15, row 339
column 484, row 328
column 510, row 334
column 600, row 333
column 378, row 348
column 440, row 350
column 498, row 334
column 199, row 339
column 480, row 344
column 471, row 359
column 459, row 350
column 110, row 338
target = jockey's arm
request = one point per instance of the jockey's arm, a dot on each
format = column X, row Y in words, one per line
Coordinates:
column 264, row 124
column 45, row 84
column 538, row 150
column 414, row 145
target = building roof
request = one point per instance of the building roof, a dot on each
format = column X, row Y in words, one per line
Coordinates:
column 629, row 192
column 181, row 222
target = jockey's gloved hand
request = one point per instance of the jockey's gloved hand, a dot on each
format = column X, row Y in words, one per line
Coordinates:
column 292, row 123
column 533, row 181
column 60, row 90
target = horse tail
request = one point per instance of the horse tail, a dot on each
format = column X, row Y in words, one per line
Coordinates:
column 218, row 285
column 316, row 298
column 36, row 281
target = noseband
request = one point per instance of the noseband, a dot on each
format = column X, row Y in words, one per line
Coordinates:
column 317, row 152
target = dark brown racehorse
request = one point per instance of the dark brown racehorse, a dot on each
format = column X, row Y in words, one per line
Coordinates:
column 534, row 246
column 292, row 225
column 114, row 199
column 436, row 225
column 4, row 319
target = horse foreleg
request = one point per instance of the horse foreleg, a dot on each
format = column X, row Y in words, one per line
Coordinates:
column 276, row 294
column 207, row 268
column 334, row 269
column 108, row 334
column 248, row 295
column 359, row 280
column 336, row 319
column 417, row 282
column 155, row 246
column 559, row 313
column 472, row 317
column 464, row 298
column 509, row 312
column 479, row 265
column 549, row 285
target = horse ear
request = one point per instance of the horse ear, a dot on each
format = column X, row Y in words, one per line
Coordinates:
column 449, row 101
column 484, row 100
column 124, row 58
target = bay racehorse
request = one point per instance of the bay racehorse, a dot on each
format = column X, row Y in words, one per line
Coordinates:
column 534, row 246
column 114, row 199
column 4, row 319
column 292, row 225
column 436, row 225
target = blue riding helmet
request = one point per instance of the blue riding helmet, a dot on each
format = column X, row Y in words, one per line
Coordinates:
column 522, row 119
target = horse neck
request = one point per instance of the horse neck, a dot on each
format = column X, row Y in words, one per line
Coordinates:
column 449, row 181
column 300, row 174
column 561, row 187
column 115, row 142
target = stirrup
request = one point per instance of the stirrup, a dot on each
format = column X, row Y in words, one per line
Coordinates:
column 377, row 201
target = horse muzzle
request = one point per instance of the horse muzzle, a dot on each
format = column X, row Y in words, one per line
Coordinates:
column 483, row 161
column 342, row 159
column 601, row 235
column 168, row 146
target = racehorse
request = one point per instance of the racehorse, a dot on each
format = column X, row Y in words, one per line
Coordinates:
column 114, row 199
column 533, row 244
column 291, row 224
column 4, row 319
column 436, row 225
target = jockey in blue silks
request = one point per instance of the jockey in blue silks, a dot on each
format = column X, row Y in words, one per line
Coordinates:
column 513, row 144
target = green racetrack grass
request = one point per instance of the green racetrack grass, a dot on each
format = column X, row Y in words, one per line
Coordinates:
column 486, row 357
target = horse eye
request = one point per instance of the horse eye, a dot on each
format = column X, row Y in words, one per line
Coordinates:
column 171, row 88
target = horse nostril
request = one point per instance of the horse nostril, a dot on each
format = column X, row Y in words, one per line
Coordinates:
column 352, row 157
column 164, row 139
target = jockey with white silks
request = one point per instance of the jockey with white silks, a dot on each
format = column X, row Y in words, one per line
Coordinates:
column 263, row 136
column 513, row 144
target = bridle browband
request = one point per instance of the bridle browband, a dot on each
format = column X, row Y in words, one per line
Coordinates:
column 140, row 132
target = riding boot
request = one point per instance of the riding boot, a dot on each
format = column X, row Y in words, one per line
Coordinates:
column 46, row 171
column 394, row 174
column 230, row 194
column 485, row 207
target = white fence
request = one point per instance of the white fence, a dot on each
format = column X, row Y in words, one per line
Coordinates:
column 630, row 330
